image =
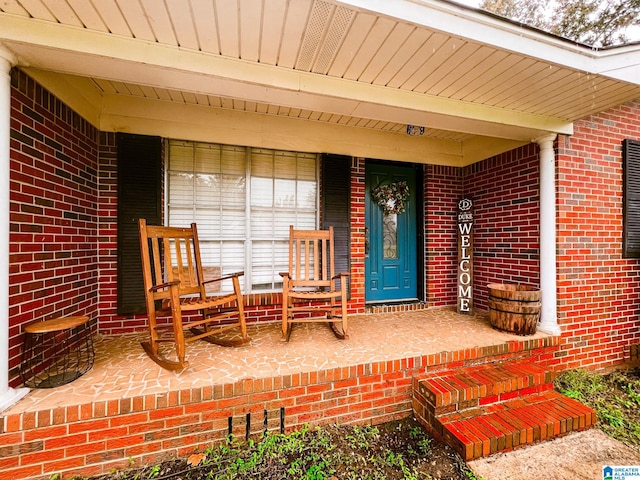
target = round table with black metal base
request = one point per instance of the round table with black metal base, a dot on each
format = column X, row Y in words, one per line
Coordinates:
column 56, row 352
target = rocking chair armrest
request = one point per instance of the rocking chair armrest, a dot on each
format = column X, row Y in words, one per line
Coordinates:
column 224, row 277
column 340, row 275
column 285, row 274
column 162, row 286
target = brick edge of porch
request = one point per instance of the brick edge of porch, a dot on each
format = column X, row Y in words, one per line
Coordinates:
column 94, row 438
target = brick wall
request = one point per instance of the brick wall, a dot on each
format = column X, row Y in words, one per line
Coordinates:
column 356, row 303
column 443, row 187
column 598, row 289
column 505, row 191
column 53, row 267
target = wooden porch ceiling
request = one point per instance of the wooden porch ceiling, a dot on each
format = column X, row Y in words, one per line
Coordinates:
column 479, row 85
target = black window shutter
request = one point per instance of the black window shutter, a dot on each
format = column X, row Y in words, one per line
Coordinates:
column 139, row 196
column 631, row 197
column 336, row 195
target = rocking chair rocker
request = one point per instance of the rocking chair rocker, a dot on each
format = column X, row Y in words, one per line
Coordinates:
column 310, row 286
column 175, row 286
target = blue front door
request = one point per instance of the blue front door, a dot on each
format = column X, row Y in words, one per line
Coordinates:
column 390, row 249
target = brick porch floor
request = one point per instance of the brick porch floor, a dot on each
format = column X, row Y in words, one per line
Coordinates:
column 127, row 408
column 122, row 369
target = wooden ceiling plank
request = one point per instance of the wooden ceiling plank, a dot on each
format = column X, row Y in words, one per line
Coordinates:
column 181, row 19
column 202, row 99
column 391, row 47
column 112, row 17
column 358, row 31
column 149, row 92
column 136, row 18
column 293, row 29
column 250, row 29
column 483, row 87
column 613, row 99
column 272, row 31
column 135, row 90
column 176, row 96
column 561, row 93
column 444, row 71
column 479, row 75
column 88, row 15
column 417, row 60
column 402, row 55
column 104, row 85
column 159, row 20
column 606, row 94
column 227, row 23
column 371, row 45
column 163, row 94
column 204, row 20
column 565, row 94
column 226, row 103
column 37, row 9
column 546, row 84
column 514, row 85
column 463, row 73
column 120, row 87
column 63, row 12
column 432, row 61
column 215, row 101
column 190, row 98
column 13, row 7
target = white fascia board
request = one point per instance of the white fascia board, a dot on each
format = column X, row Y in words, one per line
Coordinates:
column 88, row 53
column 621, row 63
column 488, row 30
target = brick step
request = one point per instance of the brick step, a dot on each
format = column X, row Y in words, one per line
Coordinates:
column 515, row 423
column 471, row 387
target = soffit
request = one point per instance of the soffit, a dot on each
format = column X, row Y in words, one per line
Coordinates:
column 370, row 64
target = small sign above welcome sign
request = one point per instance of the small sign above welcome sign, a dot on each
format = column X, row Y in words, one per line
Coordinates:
column 465, row 256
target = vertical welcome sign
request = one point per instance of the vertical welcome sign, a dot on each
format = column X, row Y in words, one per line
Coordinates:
column 465, row 255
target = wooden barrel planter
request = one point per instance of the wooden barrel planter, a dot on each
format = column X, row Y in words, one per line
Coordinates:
column 514, row 308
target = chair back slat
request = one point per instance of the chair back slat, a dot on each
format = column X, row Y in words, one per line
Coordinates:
column 173, row 255
column 310, row 257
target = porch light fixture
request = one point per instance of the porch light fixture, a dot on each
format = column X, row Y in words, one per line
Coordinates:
column 415, row 130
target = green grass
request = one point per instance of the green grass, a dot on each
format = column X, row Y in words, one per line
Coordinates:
column 615, row 397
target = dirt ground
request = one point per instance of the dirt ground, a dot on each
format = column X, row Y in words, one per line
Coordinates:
column 576, row 456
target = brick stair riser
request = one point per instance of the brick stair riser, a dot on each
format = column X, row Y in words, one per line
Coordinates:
column 503, row 430
column 455, row 387
column 486, row 409
column 473, row 404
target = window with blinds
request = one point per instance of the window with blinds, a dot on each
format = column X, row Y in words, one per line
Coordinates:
column 243, row 200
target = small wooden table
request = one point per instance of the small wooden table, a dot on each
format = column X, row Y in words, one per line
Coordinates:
column 56, row 351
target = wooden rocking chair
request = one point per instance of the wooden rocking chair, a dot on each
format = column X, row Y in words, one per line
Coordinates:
column 311, row 286
column 175, row 286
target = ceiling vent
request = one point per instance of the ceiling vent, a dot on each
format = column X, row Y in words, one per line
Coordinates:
column 326, row 29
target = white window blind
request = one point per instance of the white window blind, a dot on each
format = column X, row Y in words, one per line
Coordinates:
column 243, row 201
